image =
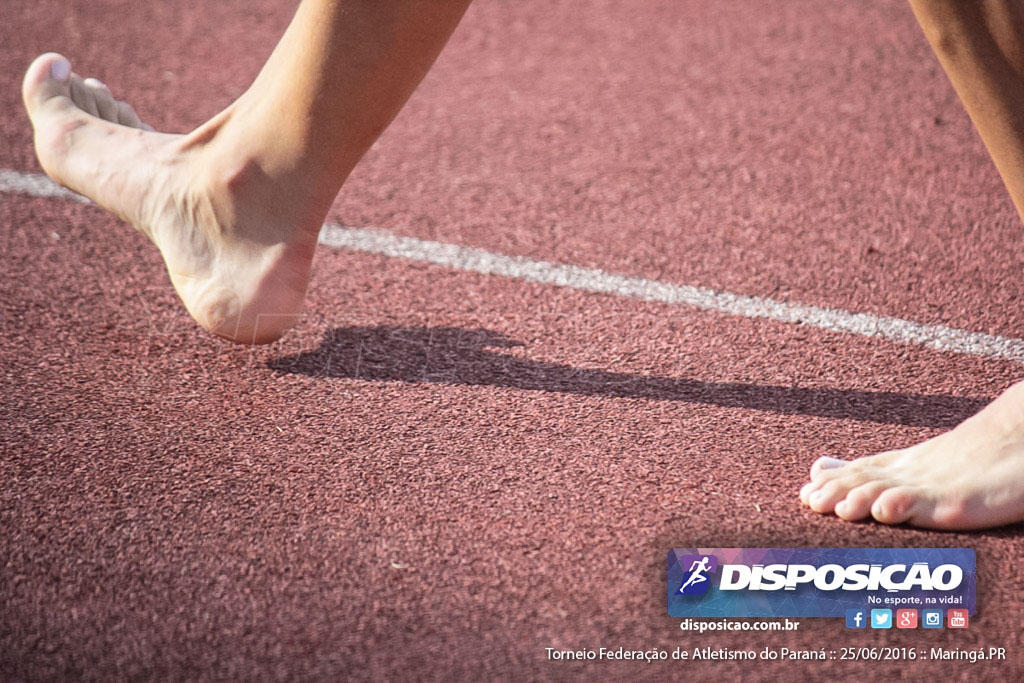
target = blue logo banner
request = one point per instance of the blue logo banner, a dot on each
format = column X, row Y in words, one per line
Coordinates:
column 817, row 582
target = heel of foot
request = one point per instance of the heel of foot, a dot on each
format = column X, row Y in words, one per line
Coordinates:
column 218, row 309
column 225, row 312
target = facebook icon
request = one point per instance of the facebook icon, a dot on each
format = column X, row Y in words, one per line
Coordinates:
column 856, row 618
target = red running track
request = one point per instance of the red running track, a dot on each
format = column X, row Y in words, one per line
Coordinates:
column 440, row 474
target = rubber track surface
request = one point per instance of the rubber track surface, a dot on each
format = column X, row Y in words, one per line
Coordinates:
column 440, row 474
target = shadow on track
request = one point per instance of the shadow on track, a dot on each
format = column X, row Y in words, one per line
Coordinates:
column 449, row 355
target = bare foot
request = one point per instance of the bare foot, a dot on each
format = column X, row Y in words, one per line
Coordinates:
column 237, row 242
column 969, row 478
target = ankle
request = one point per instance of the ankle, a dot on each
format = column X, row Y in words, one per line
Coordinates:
column 267, row 171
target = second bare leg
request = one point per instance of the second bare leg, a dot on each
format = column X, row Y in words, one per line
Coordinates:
column 973, row 476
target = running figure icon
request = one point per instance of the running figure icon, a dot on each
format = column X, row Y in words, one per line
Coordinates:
column 697, row 573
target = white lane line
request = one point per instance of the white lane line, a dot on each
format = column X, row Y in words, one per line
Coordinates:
column 35, row 185
column 938, row 337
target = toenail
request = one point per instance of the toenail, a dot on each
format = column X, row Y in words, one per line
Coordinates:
column 61, row 69
column 828, row 463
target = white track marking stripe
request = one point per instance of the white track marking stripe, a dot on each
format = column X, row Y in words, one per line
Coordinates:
column 938, row 337
column 35, row 185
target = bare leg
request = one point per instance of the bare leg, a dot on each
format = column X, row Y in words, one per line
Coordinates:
column 973, row 476
column 235, row 206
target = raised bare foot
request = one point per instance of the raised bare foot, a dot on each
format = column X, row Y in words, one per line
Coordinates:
column 238, row 243
column 969, row 478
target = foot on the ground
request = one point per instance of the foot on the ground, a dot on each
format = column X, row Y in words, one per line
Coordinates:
column 238, row 246
column 969, row 478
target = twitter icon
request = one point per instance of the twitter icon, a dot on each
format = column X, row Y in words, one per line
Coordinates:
column 881, row 618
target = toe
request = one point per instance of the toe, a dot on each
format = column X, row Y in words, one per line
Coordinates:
column 106, row 106
column 823, row 471
column 857, row 503
column 82, row 95
column 825, row 498
column 47, row 77
column 806, row 490
column 896, row 505
column 826, row 463
column 126, row 116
